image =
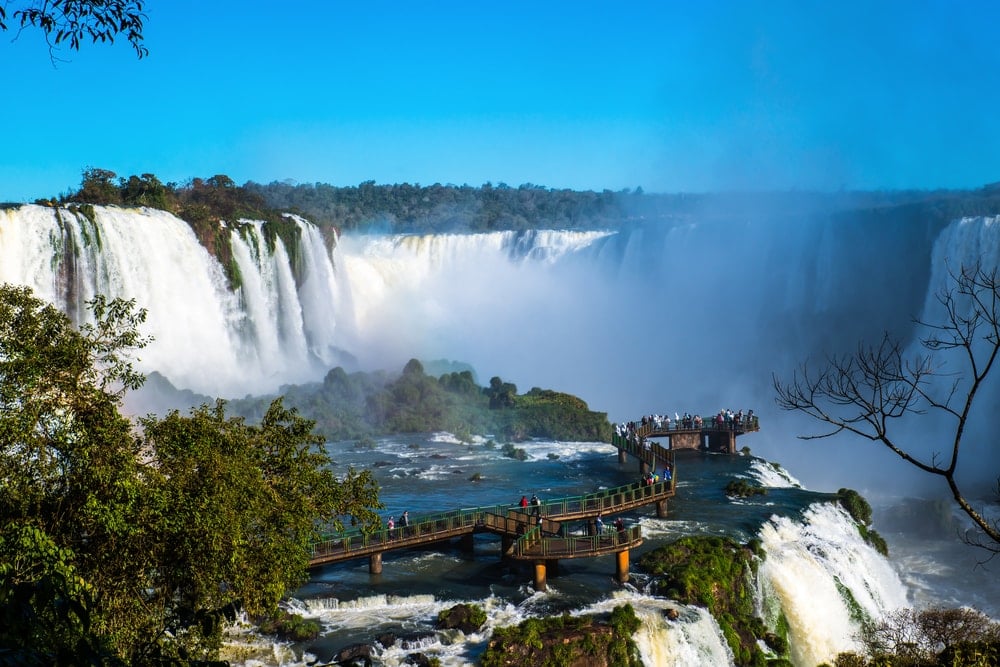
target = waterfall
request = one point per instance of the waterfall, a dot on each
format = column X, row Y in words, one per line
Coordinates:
column 826, row 579
column 276, row 327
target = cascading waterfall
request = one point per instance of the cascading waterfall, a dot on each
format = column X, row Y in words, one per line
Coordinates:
column 827, row 579
column 277, row 326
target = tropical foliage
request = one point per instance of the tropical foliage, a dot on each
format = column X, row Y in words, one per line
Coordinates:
column 351, row 406
column 75, row 22
column 131, row 543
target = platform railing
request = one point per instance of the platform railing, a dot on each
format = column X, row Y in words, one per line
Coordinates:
column 536, row 545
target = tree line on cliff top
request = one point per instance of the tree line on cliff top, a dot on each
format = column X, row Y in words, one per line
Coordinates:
column 413, row 208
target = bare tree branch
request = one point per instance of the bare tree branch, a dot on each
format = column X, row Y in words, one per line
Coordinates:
column 868, row 392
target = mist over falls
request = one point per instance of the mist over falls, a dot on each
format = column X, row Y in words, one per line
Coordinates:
column 654, row 317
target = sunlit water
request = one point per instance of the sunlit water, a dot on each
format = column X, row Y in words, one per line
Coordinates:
column 813, row 552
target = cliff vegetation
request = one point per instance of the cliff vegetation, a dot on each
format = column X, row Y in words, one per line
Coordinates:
column 567, row 641
column 349, row 406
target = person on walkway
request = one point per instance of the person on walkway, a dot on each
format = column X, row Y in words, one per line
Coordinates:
column 404, row 522
column 599, row 523
column 391, row 525
column 536, row 505
column 524, row 501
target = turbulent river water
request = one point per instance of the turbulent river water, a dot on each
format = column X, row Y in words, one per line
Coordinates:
column 813, row 555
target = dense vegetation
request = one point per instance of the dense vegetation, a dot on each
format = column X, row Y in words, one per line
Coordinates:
column 211, row 206
column 412, row 208
column 348, row 406
column 130, row 543
column 563, row 641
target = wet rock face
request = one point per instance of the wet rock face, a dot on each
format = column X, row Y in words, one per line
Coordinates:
column 465, row 617
column 355, row 655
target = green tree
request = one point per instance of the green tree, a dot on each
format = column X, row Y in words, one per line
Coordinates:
column 130, row 542
column 98, row 187
column 500, row 393
column 74, row 22
column 145, row 190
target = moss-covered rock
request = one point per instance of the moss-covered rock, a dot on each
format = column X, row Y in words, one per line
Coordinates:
column 567, row 641
column 290, row 626
column 468, row 618
column 742, row 488
column 717, row 573
column 861, row 512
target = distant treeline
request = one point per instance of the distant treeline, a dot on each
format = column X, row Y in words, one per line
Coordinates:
column 406, row 208
column 348, row 406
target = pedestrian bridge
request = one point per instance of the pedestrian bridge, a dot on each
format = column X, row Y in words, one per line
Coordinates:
column 538, row 533
column 527, row 533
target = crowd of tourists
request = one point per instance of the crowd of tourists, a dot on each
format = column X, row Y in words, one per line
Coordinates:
column 723, row 419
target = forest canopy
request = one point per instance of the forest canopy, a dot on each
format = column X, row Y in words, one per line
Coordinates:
column 412, row 208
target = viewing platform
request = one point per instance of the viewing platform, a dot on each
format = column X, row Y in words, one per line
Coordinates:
column 713, row 434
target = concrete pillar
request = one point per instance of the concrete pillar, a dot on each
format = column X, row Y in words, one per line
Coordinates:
column 622, row 456
column 643, row 468
column 661, row 509
column 375, row 563
column 540, row 576
column 621, row 566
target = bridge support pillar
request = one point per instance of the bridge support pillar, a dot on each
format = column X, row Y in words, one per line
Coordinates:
column 467, row 543
column 722, row 441
column 622, row 456
column 643, row 468
column 621, row 566
column 661, row 509
column 375, row 563
column 540, row 584
column 506, row 542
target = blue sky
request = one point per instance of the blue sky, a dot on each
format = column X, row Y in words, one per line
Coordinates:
column 673, row 97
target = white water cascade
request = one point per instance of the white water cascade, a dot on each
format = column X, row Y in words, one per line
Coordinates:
column 826, row 578
column 276, row 327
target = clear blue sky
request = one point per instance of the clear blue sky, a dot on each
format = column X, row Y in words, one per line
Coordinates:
column 670, row 96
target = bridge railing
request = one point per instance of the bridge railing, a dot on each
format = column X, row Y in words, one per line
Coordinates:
column 605, row 501
column 535, row 545
column 710, row 423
